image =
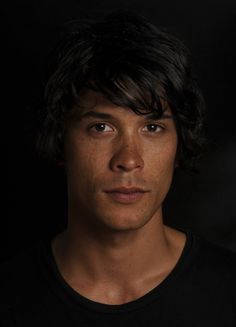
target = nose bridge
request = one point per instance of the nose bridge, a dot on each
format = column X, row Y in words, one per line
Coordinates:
column 127, row 154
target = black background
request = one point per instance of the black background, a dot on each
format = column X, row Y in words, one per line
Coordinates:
column 34, row 194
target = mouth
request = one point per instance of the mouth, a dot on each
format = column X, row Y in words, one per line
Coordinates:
column 126, row 195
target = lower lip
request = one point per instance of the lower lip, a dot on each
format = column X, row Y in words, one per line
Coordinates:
column 126, row 197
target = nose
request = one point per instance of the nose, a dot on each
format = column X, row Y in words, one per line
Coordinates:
column 127, row 158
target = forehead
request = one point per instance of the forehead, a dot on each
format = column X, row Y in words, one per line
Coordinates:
column 90, row 99
column 95, row 101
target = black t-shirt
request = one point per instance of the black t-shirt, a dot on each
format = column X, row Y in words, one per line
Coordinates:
column 200, row 291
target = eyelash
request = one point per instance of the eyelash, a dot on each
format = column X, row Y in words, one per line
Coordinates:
column 99, row 124
column 156, row 125
column 104, row 124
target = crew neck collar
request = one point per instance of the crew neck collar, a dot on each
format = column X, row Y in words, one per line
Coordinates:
column 72, row 297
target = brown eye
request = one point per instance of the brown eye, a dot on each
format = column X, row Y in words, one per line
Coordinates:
column 101, row 127
column 153, row 128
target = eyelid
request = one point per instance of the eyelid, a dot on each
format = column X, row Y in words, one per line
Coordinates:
column 100, row 123
column 111, row 129
column 156, row 124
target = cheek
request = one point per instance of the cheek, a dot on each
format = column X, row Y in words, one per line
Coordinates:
column 163, row 151
column 85, row 163
column 168, row 157
column 161, row 161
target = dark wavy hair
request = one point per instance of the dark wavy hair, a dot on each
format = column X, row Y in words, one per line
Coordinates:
column 133, row 64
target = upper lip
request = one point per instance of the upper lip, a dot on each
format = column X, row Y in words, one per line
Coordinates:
column 126, row 190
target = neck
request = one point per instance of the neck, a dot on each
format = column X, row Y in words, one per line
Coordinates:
column 117, row 257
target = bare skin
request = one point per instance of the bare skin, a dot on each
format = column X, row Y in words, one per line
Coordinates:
column 116, row 248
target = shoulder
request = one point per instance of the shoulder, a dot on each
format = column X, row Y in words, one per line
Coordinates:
column 19, row 273
column 19, row 263
column 22, row 286
column 213, row 255
column 212, row 264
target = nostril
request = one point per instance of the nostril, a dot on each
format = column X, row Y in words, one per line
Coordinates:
column 126, row 163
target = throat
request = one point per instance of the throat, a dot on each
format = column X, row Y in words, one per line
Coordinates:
column 105, row 279
column 107, row 293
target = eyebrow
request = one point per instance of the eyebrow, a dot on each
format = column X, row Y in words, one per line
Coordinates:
column 95, row 114
column 154, row 116
column 102, row 115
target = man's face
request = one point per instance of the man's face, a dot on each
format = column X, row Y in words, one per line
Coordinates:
column 119, row 164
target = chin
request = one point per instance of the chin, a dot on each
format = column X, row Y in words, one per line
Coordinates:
column 124, row 222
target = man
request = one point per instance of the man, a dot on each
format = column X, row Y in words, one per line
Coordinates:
column 123, row 111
